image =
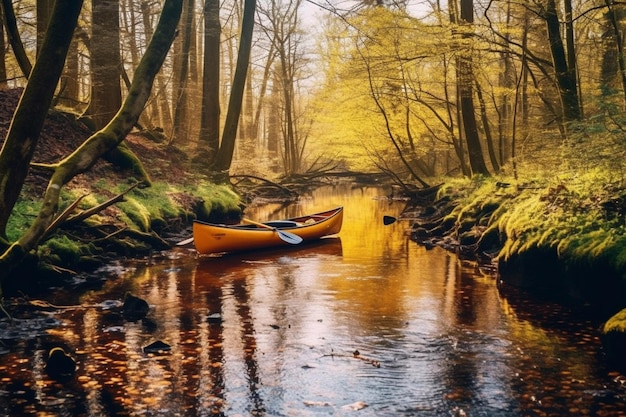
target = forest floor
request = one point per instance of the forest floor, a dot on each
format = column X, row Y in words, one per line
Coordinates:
column 62, row 134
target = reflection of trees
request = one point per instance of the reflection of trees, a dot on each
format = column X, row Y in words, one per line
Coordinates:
column 472, row 312
column 240, row 292
column 214, row 350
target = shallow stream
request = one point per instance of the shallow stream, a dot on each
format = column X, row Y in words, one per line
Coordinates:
column 364, row 324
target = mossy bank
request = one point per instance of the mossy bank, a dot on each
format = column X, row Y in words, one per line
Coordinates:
column 563, row 237
column 145, row 220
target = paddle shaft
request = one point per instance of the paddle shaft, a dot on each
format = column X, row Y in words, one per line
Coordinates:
column 285, row 236
column 185, row 242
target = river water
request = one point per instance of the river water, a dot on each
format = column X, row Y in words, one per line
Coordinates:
column 364, row 324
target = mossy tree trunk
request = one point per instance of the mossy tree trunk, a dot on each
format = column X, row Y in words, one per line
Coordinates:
column 102, row 141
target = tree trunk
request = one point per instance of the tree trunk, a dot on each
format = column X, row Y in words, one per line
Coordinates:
column 465, row 83
column 274, row 116
column 209, row 138
column 262, row 91
column 484, row 117
column 106, row 95
column 565, row 76
column 181, row 75
column 15, row 40
column 162, row 97
column 68, row 95
column 44, row 11
column 102, row 141
column 22, row 137
column 225, row 153
column 3, row 56
column 615, row 49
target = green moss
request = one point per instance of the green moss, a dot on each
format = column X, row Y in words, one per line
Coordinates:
column 62, row 250
column 562, row 216
column 218, row 199
column 21, row 218
column 617, row 323
column 136, row 212
column 122, row 157
column 153, row 207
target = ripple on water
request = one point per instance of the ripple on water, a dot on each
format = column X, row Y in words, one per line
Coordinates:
column 28, row 328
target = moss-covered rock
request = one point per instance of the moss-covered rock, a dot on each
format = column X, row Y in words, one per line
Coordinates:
column 614, row 339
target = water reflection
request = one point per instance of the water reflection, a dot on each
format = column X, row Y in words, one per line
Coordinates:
column 368, row 318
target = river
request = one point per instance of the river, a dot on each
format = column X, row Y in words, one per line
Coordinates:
column 364, row 324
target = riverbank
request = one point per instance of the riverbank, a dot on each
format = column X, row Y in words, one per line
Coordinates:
column 562, row 237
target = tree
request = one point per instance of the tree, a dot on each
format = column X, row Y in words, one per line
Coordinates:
column 209, row 137
column 564, row 69
column 181, row 75
column 19, row 145
column 614, row 49
column 44, row 10
column 13, row 35
column 224, row 155
column 21, row 139
column 465, row 77
column 281, row 27
column 106, row 65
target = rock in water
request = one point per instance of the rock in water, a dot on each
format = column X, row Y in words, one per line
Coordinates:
column 60, row 366
column 157, row 347
column 134, row 308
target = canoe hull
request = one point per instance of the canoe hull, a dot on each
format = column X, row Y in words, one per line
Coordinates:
column 217, row 238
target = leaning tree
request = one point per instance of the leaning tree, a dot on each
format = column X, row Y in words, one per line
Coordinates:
column 21, row 139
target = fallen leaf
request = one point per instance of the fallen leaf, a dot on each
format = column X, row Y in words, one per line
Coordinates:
column 317, row 403
column 356, row 406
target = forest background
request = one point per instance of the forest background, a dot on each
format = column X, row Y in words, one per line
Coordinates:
column 529, row 93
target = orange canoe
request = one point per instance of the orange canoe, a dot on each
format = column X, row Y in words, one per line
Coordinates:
column 216, row 238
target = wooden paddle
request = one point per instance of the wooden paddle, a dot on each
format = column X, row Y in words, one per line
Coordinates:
column 387, row 220
column 285, row 236
column 185, row 242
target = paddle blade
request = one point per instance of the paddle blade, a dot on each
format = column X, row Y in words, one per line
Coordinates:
column 387, row 220
column 289, row 237
column 285, row 236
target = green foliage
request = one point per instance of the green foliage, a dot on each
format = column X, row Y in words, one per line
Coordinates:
column 617, row 323
column 384, row 68
column 564, row 216
column 61, row 250
column 152, row 207
column 22, row 216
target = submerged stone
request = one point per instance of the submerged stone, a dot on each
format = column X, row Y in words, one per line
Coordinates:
column 60, row 366
column 157, row 347
column 134, row 308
